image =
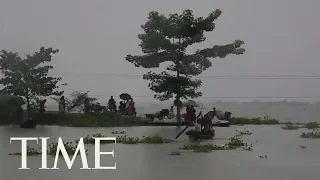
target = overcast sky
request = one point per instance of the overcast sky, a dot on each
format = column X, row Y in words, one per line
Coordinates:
column 281, row 38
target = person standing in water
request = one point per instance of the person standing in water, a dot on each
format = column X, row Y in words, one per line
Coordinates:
column 112, row 104
column 171, row 113
column 42, row 106
column 62, row 105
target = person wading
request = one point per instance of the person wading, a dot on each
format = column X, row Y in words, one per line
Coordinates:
column 112, row 105
column 42, row 106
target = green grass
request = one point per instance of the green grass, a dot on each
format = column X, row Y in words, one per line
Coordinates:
column 255, row 120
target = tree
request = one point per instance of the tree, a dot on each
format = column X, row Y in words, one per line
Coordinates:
column 166, row 39
column 28, row 78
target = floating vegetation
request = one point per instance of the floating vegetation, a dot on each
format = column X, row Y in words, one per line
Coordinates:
column 30, row 152
column 118, row 132
column 302, row 147
column 174, row 153
column 69, row 146
column 234, row 142
column 156, row 139
column 312, row 135
column 205, row 147
column 312, row 125
column 244, row 132
column 254, row 120
column 247, row 147
column 290, row 126
column 52, row 149
column 89, row 139
column 263, row 157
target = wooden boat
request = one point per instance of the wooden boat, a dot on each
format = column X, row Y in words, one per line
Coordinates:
column 200, row 135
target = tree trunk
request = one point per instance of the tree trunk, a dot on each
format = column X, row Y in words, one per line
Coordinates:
column 28, row 108
column 178, row 76
column 178, row 110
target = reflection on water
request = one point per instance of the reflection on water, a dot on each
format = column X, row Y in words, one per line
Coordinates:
column 286, row 160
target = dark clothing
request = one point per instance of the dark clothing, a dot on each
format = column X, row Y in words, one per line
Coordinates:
column 42, row 107
column 112, row 105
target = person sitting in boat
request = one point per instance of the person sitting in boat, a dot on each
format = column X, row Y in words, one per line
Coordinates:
column 171, row 113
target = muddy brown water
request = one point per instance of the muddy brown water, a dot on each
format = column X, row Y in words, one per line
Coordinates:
column 286, row 160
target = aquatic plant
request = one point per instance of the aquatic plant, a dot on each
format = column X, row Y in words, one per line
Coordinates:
column 312, row 125
column 30, row 152
column 303, row 147
column 124, row 139
column 254, row 120
column 244, row 132
column 174, row 153
column 118, row 132
column 247, row 147
column 312, row 135
column 234, row 142
column 89, row 139
column 128, row 140
column 290, row 126
column 69, row 146
column 156, row 139
column 263, row 157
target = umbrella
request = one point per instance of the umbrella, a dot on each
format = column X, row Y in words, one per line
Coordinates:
column 125, row 96
column 191, row 103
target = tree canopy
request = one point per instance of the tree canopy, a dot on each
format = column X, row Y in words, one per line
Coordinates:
column 166, row 39
column 28, row 77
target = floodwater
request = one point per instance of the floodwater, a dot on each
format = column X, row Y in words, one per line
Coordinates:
column 286, row 160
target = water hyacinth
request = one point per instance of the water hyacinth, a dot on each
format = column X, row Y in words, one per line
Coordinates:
column 312, row 135
column 290, row 126
column 312, row 125
column 30, row 152
column 234, row 142
column 124, row 139
column 174, row 153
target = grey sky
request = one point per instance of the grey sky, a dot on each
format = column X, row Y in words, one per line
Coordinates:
column 281, row 36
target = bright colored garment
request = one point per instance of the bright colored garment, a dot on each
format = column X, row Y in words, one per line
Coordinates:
column 130, row 108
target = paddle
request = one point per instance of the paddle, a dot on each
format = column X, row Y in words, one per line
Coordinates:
column 182, row 131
